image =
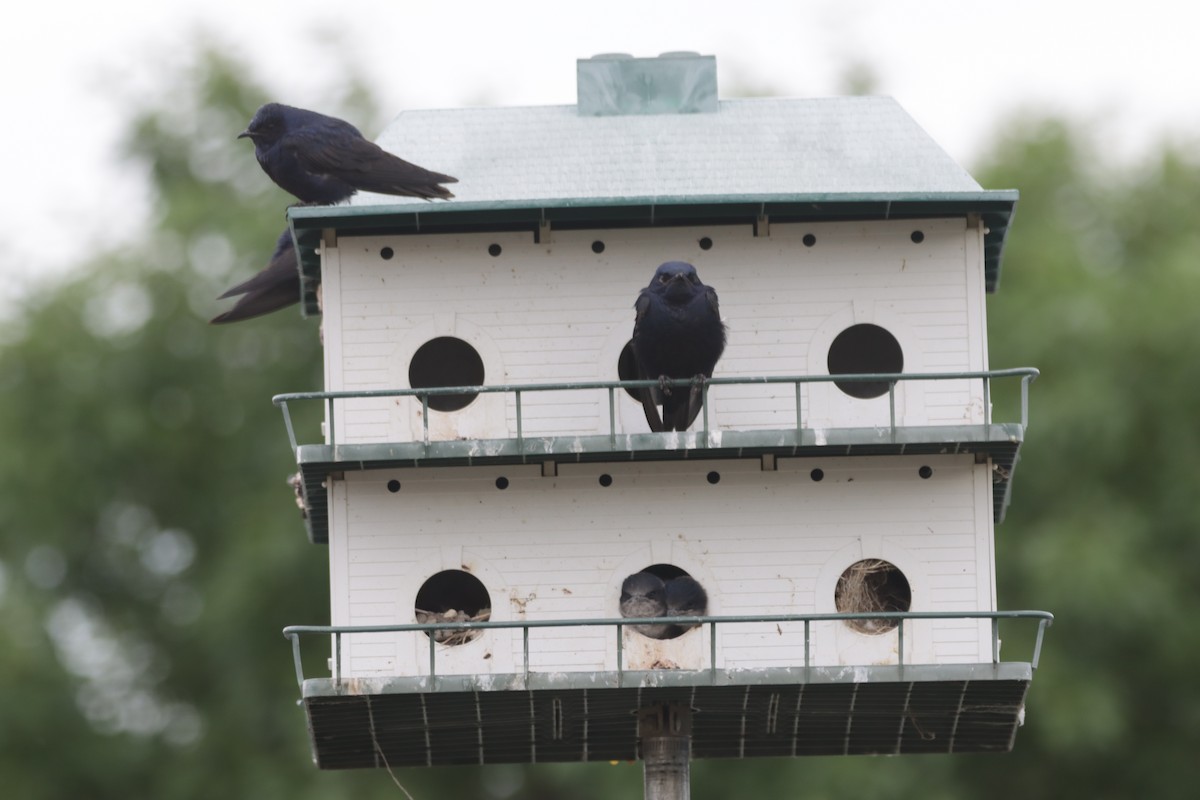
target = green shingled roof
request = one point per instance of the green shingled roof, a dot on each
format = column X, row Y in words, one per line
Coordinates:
column 788, row 159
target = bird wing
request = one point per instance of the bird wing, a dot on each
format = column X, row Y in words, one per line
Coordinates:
column 711, row 295
column 276, row 286
column 363, row 164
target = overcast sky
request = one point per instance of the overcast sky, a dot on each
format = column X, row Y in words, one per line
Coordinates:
column 1130, row 69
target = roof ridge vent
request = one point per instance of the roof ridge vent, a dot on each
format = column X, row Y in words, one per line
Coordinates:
column 614, row 84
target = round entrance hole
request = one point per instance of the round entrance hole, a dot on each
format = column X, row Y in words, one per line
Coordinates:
column 872, row 584
column 453, row 595
column 662, row 590
column 446, row 361
column 864, row 348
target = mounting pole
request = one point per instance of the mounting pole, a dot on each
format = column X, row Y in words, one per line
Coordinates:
column 665, row 741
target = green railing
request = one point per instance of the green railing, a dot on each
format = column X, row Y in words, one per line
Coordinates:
column 1026, row 374
column 294, row 632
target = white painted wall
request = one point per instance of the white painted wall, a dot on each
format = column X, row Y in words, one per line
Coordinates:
column 760, row 542
column 556, row 311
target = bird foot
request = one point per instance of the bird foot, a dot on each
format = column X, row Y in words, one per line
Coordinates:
column 664, row 386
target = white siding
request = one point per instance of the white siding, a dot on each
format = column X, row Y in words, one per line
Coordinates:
column 556, row 311
column 760, row 542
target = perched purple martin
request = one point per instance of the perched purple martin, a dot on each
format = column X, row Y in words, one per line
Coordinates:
column 643, row 594
column 677, row 333
column 685, row 598
column 323, row 160
column 276, row 286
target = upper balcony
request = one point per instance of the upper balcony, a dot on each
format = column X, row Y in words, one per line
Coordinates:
column 418, row 436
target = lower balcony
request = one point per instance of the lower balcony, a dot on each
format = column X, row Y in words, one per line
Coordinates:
column 533, row 716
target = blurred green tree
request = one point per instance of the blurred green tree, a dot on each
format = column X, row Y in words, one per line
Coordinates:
column 151, row 554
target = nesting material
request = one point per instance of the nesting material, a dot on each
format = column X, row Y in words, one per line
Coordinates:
column 872, row 585
column 454, row 637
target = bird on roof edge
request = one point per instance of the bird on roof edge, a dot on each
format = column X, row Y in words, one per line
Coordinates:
column 677, row 334
column 323, row 160
column 276, row 286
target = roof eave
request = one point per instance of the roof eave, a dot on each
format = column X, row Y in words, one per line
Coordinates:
column 308, row 223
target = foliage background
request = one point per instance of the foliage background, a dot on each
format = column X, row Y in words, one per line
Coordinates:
column 150, row 552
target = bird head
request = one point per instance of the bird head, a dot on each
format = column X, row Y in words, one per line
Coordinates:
column 676, row 280
column 644, row 586
column 268, row 124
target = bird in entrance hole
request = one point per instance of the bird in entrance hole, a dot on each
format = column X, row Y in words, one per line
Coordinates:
column 643, row 594
column 685, row 598
column 677, row 333
column 324, row 160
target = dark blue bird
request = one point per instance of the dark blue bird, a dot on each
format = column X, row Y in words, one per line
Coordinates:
column 643, row 594
column 685, row 598
column 677, row 333
column 324, row 160
column 276, row 286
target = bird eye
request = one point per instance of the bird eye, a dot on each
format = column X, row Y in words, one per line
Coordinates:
column 663, row 278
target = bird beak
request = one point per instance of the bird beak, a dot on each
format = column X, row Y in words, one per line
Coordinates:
column 245, row 135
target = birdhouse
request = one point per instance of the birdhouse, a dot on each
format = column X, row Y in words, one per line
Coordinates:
column 486, row 478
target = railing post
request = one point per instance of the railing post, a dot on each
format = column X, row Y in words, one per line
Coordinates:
column 987, row 400
column 337, row 656
column 612, row 418
column 425, row 417
column 620, row 656
column 525, row 646
column 295, row 637
column 892, row 406
column 712, row 650
column 799, row 418
column 807, row 645
column 520, row 429
column 331, row 423
column 995, row 640
column 1025, row 381
column 1037, row 645
column 900, row 641
column 287, row 422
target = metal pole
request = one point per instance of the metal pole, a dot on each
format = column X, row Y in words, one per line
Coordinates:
column 665, row 741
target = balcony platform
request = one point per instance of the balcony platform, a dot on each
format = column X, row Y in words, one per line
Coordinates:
column 999, row 442
column 530, row 717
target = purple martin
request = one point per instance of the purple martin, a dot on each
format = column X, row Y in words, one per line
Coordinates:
column 643, row 594
column 323, row 160
column 685, row 598
column 276, row 286
column 677, row 333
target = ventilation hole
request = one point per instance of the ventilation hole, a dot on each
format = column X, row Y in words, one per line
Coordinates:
column 817, row 474
column 386, row 253
column 809, row 240
column 925, row 472
column 865, row 348
column 446, row 361
column 605, row 480
column 502, row 483
column 453, row 595
column 680, row 596
column 714, row 477
column 597, row 247
column 705, row 243
column 872, row 585
column 494, row 250
column 627, row 369
column 917, row 237
column 393, row 486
